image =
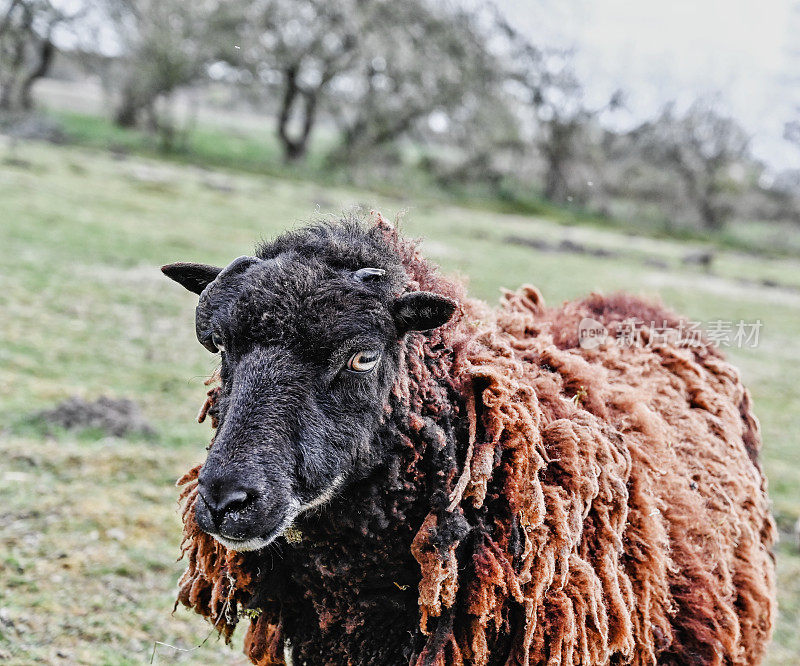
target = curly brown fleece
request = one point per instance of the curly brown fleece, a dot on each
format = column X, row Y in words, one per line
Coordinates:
column 617, row 512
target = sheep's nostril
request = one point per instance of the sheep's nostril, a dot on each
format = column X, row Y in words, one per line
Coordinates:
column 235, row 500
column 222, row 498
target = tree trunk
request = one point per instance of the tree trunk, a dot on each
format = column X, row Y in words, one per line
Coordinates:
column 296, row 100
column 14, row 67
column 557, row 150
column 127, row 113
column 555, row 185
column 711, row 217
column 46, row 52
column 701, row 188
column 26, row 58
column 5, row 96
column 137, row 98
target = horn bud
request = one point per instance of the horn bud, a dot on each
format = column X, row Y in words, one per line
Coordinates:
column 369, row 274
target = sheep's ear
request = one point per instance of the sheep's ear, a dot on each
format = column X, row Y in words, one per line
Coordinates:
column 422, row 311
column 195, row 277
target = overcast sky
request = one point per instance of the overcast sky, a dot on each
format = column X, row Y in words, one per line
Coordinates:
column 748, row 51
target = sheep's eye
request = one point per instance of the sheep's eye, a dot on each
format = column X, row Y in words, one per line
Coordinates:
column 216, row 340
column 363, row 361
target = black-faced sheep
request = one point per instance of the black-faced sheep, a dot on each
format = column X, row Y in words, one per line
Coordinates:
column 400, row 475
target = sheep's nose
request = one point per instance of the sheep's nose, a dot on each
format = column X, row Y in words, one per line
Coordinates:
column 223, row 496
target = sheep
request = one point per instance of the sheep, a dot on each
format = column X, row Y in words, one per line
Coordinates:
column 401, row 475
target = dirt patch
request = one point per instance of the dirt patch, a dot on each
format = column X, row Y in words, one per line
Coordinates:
column 735, row 289
column 701, row 259
column 566, row 245
column 117, row 417
column 31, row 126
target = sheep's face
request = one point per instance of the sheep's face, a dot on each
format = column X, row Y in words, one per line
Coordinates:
column 309, row 355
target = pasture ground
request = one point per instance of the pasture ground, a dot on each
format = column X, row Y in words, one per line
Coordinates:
column 88, row 524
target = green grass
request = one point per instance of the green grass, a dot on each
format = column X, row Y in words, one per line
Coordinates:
column 88, row 527
column 249, row 150
column 257, row 151
column 209, row 145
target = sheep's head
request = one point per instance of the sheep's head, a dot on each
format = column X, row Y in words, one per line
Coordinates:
column 310, row 348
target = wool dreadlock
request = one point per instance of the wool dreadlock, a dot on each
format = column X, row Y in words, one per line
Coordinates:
column 545, row 504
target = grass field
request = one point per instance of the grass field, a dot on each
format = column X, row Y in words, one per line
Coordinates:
column 88, row 527
column 244, row 142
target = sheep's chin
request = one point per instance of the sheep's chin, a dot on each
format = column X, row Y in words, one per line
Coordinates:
column 242, row 545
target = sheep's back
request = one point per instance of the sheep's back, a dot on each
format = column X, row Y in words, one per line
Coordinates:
column 649, row 534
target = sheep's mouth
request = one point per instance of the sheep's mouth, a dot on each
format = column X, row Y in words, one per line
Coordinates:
column 254, row 543
column 242, row 545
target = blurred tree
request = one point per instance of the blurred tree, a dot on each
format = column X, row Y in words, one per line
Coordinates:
column 418, row 62
column 478, row 143
column 164, row 46
column 556, row 97
column 295, row 50
column 26, row 48
column 564, row 125
column 378, row 68
column 703, row 148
